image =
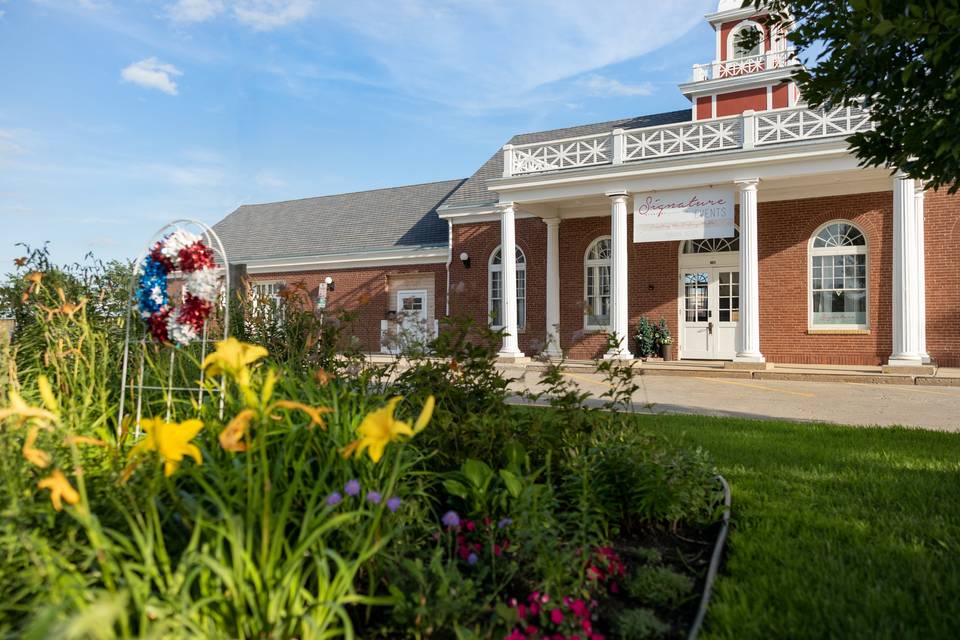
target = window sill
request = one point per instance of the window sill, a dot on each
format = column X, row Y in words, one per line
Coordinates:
column 838, row 332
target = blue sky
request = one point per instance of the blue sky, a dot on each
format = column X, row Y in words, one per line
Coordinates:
column 119, row 115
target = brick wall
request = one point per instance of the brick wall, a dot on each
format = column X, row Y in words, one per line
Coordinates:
column 365, row 291
column 942, row 238
column 784, row 232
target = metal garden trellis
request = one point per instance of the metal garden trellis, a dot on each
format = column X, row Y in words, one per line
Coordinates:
column 212, row 241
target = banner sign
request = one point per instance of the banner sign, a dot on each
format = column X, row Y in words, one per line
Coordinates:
column 691, row 214
column 322, row 296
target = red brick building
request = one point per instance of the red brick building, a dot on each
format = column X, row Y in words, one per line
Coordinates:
column 744, row 222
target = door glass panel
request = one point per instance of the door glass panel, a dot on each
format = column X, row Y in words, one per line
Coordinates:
column 729, row 296
column 696, row 296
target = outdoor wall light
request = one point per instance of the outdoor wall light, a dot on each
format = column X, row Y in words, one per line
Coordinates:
column 329, row 282
column 465, row 259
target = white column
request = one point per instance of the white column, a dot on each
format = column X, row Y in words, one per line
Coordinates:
column 511, row 348
column 922, row 269
column 748, row 328
column 553, row 287
column 619, row 311
column 906, row 275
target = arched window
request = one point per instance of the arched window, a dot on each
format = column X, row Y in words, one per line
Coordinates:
column 496, row 289
column 838, row 277
column 597, row 283
column 713, row 245
column 739, row 43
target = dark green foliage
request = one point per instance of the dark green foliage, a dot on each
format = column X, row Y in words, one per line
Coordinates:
column 638, row 624
column 897, row 58
column 645, row 339
column 659, row 586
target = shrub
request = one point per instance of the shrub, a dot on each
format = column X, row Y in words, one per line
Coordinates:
column 659, row 586
column 638, row 624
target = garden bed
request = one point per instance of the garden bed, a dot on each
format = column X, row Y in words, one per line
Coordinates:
column 328, row 496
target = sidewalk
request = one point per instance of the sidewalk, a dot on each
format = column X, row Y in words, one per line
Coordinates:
column 863, row 374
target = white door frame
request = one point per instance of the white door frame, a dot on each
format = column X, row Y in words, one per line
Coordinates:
column 701, row 262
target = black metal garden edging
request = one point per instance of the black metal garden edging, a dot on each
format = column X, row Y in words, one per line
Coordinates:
column 714, row 562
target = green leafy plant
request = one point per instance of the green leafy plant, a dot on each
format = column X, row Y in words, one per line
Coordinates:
column 638, row 624
column 659, row 586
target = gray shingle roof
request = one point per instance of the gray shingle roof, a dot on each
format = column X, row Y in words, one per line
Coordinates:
column 474, row 190
column 350, row 222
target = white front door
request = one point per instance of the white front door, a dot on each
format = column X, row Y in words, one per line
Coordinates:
column 709, row 311
column 412, row 325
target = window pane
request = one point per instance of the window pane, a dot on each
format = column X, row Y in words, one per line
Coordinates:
column 521, row 298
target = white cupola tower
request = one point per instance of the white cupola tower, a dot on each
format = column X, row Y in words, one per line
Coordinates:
column 742, row 78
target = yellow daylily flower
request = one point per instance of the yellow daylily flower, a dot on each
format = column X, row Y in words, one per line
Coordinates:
column 425, row 414
column 234, row 358
column 60, row 489
column 380, row 427
column 231, row 438
column 171, row 440
column 85, row 440
column 46, row 393
column 20, row 409
column 315, row 413
column 34, row 456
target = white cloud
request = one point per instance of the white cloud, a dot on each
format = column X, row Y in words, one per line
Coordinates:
column 598, row 85
column 12, row 142
column 194, row 10
column 259, row 15
column 499, row 53
column 265, row 15
column 269, row 179
column 153, row 74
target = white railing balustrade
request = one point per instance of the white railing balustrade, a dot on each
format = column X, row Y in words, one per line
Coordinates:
column 569, row 153
column 744, row 66
column 808, row 124
column 678, row 140
column 750, row 130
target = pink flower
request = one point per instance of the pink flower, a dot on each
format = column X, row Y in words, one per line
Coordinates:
column 579, row 608
column 545, row 599
column 531, row 630
column 516, row 635
column 587, row 626
column 556, row 616
column 534, row 608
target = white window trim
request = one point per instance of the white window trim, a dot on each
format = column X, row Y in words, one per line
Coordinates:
column 732, row 39
column 256, row 299
column 491, row 268
column 834, row 251
column 586, row 265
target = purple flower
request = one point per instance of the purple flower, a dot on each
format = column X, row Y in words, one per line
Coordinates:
column 352, row 488
column 472, row 559
column 374, row 497
column 504, row 523
column 393, row 504
column 334, row 499
column 451, row 519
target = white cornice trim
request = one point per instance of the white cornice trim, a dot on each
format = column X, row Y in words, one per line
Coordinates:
column 358, row 260
column 471, row 215
column 774, row 160
column 734, row 14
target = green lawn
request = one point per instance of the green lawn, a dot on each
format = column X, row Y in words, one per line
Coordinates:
column 838, row 532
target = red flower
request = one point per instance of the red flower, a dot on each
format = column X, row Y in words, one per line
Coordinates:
column 516, row 635
column 556, row 616
column 195, row 257
column 579, row 608
column 157, row 324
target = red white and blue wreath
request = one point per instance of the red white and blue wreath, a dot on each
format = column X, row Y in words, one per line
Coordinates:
column 185, row 252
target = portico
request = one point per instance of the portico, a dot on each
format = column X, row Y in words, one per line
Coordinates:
column 731, row 297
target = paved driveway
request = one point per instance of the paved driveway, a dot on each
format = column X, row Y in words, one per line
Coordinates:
column 840, row 402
